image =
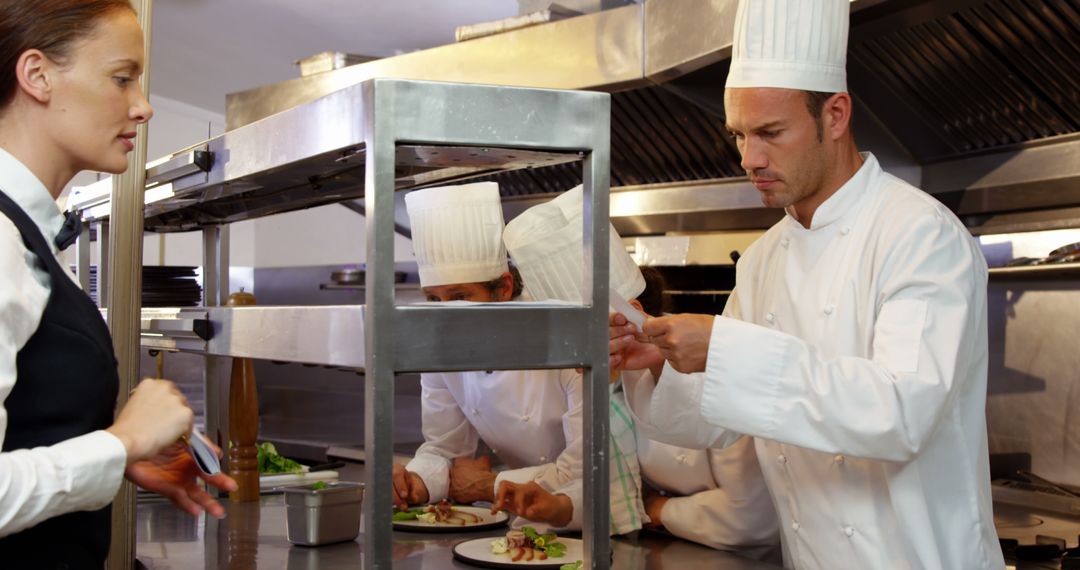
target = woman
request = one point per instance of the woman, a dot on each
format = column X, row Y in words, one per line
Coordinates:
column 70, row 101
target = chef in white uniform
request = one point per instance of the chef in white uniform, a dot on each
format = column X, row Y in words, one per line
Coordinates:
column 854, row 347
column 716, row 497
column 545, row 243
column 531, row 419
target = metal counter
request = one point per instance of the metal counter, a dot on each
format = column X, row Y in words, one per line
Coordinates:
column 253, row 536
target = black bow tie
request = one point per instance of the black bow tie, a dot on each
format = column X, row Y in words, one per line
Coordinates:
column 69, row 232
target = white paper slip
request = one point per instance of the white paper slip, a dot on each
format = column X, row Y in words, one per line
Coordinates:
column 203, row 454
column 620, row 305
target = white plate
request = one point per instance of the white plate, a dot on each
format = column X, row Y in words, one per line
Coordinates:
column 478, row 553
column 487, row 521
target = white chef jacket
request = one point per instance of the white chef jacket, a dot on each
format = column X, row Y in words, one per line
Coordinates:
column 531, row 420
column 718, row 496
column 82, row 473
column 855, row 352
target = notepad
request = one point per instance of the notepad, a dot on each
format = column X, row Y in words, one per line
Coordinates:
column 620, row 305
column 204, row 455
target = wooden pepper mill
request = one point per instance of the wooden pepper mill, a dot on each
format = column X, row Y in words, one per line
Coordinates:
column 243, row 420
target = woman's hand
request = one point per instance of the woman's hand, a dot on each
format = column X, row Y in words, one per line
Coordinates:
column 531, row 501
column 173, row 474
column 154, row 417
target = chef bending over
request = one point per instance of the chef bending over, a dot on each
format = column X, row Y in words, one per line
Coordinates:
column 531, row 419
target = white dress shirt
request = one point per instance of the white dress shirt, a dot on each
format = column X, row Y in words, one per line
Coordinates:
column 83, row 473
column 717, row 497
column 855, row 353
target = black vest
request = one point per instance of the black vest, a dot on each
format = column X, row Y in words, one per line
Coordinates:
column 66, row 387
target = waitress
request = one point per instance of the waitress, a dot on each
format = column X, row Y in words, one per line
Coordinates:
column 70, row 101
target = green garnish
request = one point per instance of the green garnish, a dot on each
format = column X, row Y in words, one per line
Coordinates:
column 555, row 549
column 270, row 461
column 546, row 542
column 571, row 566
column 318, row 485
column 409, row 515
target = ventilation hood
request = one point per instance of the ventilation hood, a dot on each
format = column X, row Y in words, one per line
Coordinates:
column 976, row 101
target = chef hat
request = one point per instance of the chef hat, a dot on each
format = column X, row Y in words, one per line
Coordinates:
column 457, row 233
column 545, row 243
column 790, row 44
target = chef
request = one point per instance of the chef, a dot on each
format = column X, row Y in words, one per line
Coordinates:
column 716, row 497
column 531, row 419
column 545, row 243
column 854, row 347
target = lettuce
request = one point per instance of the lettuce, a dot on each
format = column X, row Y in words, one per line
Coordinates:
column 571, row 566
column 555, row 549
column 270, row 461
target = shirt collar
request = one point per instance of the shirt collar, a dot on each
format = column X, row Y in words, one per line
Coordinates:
column 845, row 198
column 30, row 194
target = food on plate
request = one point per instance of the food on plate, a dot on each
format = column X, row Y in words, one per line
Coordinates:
column 270, row 461
column 441, row 512
column 318, row 485
column 526, row 545
column 571, row 566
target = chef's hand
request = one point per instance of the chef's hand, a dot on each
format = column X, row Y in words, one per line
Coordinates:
column 154, row 417
column 173, row 474
column 531, row 501
column 409, row 488
column 472, row 480
column 683, row 340
column 628, row 348
column 654, row 505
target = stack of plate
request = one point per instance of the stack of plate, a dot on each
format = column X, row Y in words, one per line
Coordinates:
column 162, row 286
column 170, row 286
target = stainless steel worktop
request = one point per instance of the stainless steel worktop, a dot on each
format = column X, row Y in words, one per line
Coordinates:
column 253, row 536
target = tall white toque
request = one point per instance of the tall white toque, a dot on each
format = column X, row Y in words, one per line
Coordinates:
column 545, row 243
column 791, row 44
column 457, row 233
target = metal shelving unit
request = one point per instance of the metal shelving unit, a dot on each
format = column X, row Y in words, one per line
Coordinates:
column 369, row 140
column 1047, row 271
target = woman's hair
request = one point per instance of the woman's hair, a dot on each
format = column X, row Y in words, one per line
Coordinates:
column 52, row 26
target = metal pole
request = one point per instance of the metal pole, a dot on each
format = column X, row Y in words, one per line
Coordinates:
column 124, row 295
column 596, row 522
column 378, row 320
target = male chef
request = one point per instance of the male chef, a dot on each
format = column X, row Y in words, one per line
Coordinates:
column 854, row 347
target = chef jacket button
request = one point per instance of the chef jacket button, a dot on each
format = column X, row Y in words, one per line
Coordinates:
column 849, row 530
column 829, row 309
column 781, row 459
column 770, row 317
column 525, row 418
column 839, row 459
column 681, row 458
column 795, row 526
column 845, row 231
column 476, row 411
column 785, row 242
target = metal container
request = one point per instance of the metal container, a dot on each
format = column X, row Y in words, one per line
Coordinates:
column 323, row 516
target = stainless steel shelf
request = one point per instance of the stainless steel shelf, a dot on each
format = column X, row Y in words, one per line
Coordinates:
column 1048, row 271
column 370, row 140
column 307, row 156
